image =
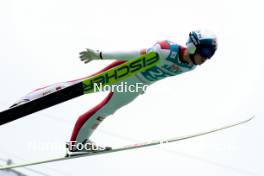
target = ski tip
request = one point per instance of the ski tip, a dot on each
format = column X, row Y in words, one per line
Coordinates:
column 249, row 119
column 252, row 117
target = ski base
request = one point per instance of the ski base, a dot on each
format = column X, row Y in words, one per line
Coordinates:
column 85, row 86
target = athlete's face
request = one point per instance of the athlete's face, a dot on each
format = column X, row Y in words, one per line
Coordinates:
column 199, row 60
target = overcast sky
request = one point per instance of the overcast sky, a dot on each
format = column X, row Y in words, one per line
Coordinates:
column 40, row 42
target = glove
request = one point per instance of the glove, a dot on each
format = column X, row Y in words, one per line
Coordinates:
column 88, row 55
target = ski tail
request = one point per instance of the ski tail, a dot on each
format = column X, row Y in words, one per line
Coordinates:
column 47, row 101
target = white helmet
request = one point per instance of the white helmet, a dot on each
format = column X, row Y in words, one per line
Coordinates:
column 202, row 42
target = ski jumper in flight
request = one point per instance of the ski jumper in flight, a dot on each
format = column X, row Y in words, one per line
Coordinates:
column 174, row 59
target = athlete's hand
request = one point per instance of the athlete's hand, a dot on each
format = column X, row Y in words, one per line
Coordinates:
column 88, row 55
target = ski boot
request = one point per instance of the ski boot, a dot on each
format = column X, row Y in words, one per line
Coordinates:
column 87, row 146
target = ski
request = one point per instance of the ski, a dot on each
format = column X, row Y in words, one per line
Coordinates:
column 129, row 147
column 109, row 77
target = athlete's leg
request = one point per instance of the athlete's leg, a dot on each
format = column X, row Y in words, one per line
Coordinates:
column 89, row 121
column 41, row 92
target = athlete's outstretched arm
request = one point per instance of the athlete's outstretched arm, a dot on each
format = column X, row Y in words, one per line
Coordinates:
column 89, row 54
